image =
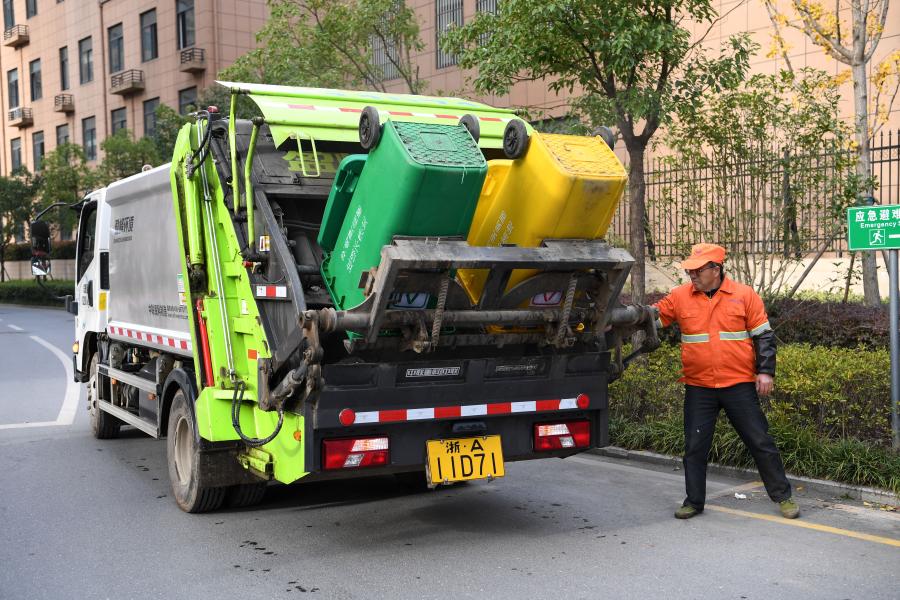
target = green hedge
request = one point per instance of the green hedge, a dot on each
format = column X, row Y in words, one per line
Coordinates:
column 27, row 291
column 830, row 413
column 848, row 460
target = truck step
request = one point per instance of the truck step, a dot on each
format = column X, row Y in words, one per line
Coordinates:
column 129, row 378
column 126, row 417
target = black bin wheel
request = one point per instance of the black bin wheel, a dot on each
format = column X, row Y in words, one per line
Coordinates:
column 369, row 128
column 515, row 139
column 472, row 125
column 607, row 135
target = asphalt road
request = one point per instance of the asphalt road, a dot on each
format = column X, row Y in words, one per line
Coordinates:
column 83, row 518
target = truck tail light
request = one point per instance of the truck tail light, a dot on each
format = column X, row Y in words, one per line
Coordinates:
column 355, row 453
column 562, row 436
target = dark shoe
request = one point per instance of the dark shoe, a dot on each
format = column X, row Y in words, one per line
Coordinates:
column 789, row 509
column 686, row 512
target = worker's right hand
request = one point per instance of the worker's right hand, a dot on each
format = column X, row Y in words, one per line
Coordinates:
column 764, row 384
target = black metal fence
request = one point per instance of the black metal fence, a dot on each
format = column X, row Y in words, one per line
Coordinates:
column 675, row 217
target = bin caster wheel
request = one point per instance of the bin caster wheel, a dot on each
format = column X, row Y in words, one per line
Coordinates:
column 515, row 139
column 369, row 128
column 471, row 124
column 607, row 135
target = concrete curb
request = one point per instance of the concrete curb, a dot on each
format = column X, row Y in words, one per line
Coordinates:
column 866, row 494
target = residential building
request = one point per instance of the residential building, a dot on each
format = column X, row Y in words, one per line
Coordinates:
column 79, row 70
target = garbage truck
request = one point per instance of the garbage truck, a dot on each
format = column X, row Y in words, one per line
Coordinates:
column 355, row 284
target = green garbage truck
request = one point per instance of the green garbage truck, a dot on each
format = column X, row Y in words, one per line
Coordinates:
column 281, row 302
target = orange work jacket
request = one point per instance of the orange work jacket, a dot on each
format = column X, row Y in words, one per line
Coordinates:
column 716, row 345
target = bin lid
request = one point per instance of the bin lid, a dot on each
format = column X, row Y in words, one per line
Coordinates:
column 327, row 114
column 585, row 156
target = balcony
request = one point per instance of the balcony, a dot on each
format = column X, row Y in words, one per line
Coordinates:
column 64, row 103
column 20, row 117
column 16, row 36
column 127, row 82
column 193, row 60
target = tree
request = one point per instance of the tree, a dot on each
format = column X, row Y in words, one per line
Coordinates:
column 65, row 177
column 334, row 43
column 778, row 175
column 17, row 194
column 632, row 63
column 852, row 43
column 124, row 156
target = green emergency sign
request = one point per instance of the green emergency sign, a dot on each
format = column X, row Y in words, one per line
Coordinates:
column 873, row 227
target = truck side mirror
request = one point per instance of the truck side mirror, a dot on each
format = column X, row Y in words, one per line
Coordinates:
column 40, row 248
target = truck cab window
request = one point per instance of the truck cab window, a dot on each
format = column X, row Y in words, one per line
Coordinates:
column 86, row 237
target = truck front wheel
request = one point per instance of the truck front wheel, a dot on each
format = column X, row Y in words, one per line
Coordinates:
column 184, row 461
column 103, row 425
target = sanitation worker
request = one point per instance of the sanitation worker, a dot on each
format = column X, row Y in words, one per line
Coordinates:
column 728, row 360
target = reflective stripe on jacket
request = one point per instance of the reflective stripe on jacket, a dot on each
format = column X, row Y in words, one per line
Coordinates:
column 716, row 333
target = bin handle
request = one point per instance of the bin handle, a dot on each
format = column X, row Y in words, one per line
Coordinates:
column 298, row 135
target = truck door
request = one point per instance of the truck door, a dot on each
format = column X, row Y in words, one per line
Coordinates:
column 87, row 286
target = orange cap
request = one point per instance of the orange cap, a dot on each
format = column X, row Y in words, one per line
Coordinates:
column 702, row 254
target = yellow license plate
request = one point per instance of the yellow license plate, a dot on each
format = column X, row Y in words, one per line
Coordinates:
column 464, row 459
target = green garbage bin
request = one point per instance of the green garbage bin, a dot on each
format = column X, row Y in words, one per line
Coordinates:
column 420, row 180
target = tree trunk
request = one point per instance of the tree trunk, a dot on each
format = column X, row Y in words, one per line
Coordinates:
column 863, row 165
column 638, row 217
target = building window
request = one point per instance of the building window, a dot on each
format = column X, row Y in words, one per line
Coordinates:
column 34, row 72
column 119, row 119
column 85, row 60
column 149, row 48
column 384, row 52
column 37, row 143
column 9, row 14
column 184, row 20
column 485, row 6
column 64, row 68
column 187, row 100
column 15, row 154
column 12, row 87
column 62, row 135
column 116, row 48
column 89, row 137
column 448, row 13
column 30, row 8
column 150, row 107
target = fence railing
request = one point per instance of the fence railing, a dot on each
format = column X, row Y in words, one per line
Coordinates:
column 672, row 191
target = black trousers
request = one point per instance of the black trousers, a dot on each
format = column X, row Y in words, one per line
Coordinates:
column 741, row 404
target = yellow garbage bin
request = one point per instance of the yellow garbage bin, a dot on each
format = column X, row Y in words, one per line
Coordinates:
column 564, row 187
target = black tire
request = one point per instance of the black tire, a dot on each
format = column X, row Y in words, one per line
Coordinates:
column 184, row 461
column 472, row 125
column 369, row 128
column 515, row 139
column 607, row 134
column 103, row 425
column 247, row 494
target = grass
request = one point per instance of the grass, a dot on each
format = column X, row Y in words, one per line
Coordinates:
column 847, row 460
column 27, row 291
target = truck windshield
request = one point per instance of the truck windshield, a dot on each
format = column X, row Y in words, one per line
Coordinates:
column 87, row 226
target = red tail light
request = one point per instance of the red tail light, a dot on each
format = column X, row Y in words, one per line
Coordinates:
column 562, row 436
column 355, row 453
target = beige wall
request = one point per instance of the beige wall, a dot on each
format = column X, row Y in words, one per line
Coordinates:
column 225, row 29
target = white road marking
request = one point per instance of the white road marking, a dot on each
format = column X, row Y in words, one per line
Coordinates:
column 14, row 328
column 66, row 414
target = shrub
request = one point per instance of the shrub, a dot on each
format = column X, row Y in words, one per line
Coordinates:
column 28, row 291
column 819, row 321
column 834, row 392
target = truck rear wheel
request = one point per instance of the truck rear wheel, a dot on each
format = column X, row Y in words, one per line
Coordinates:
column 103, row 425
column 246, row 494
column 184, row 461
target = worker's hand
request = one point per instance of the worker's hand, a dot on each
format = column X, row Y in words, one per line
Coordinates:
column 764, row 384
